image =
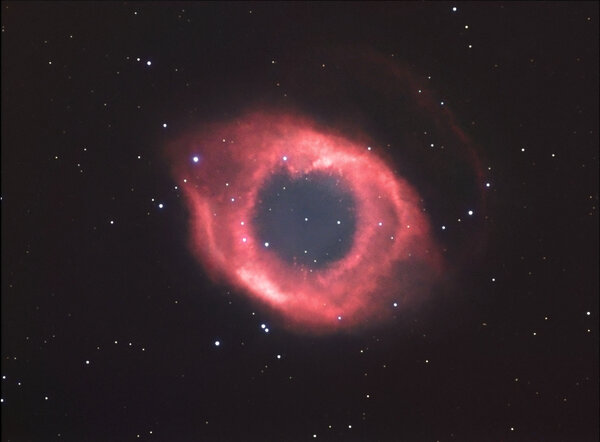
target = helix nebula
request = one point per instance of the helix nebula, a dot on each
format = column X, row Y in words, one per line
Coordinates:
column 328, row 220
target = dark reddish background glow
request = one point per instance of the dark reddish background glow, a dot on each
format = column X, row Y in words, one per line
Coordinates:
column 221, row 169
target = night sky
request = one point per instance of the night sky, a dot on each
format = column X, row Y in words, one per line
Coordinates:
column 115, row 329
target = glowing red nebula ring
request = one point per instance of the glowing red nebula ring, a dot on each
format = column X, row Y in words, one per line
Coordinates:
column 223, row 167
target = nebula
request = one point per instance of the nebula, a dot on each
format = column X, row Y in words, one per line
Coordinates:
column 391, row 256
column 222, row 170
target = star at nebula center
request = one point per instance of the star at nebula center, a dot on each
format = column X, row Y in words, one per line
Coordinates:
column 308, row 221
column 229, row 174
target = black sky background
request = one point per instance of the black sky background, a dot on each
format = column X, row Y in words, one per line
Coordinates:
column 129, row 298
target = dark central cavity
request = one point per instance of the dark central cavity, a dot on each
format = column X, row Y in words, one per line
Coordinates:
column 308, row 221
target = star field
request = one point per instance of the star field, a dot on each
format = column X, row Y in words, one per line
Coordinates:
column 112, row 330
